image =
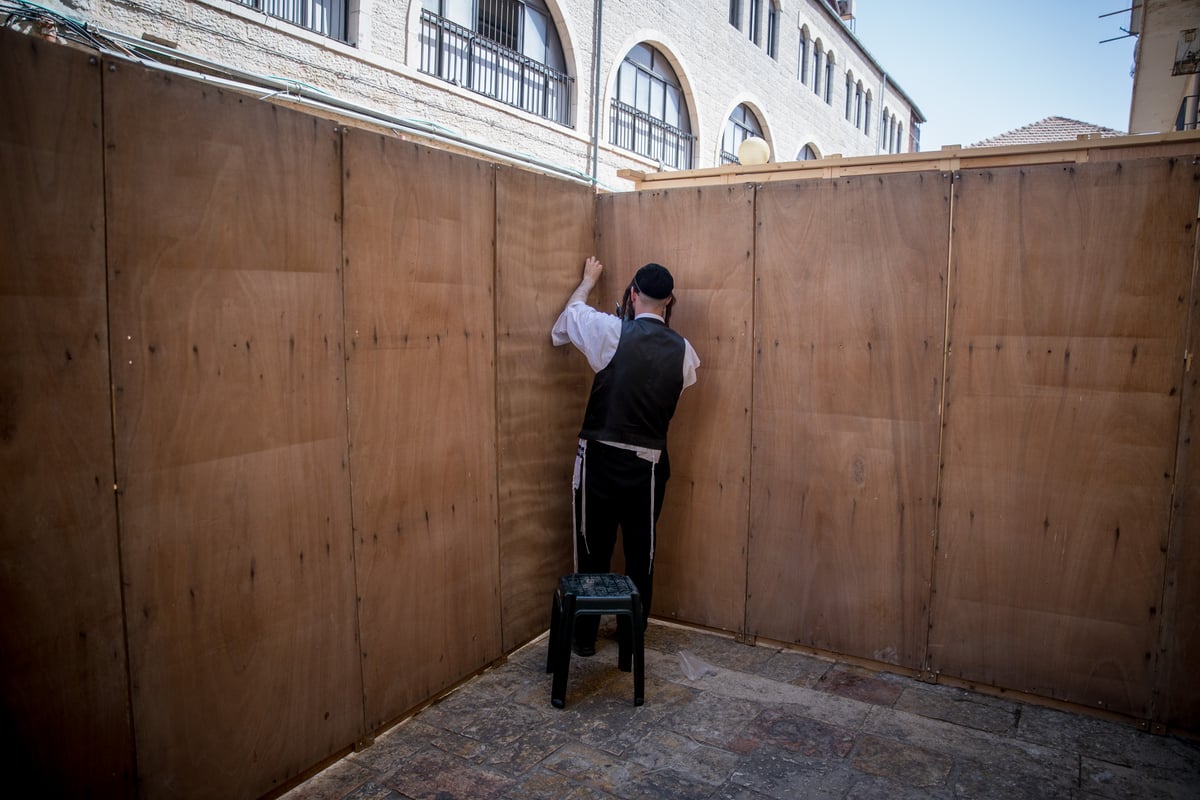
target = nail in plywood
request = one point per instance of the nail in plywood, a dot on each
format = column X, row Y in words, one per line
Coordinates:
column 545, row 228
column 1069, row 300
column 421, row 372
column 848, row 352
column 225, row 300
column 705, row 237
column 64, row 686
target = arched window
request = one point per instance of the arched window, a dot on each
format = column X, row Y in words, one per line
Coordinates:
column 326, row 17
column 818, row 56
column 507, row 50
column 741, row 125
column 754, row 29
column 829, row 78
column 735, row 13
column 858, row 105
column 802, row 62
column 867, row 115
column 773, row 29
column 649, row 113
column 807, row 153
column 849, row 93
column 900, row 138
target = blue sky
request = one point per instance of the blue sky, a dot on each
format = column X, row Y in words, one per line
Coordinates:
column 978, row 68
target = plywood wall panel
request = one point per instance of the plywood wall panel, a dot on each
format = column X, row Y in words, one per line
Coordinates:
column 1069, row 299
column 224, row 250
column 1177, row 695
column 849, row 331
column 420, row 320
column 63, row 687
column 545, row 228
column 706, row 238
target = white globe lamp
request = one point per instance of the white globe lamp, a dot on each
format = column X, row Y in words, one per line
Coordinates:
column 754, row 151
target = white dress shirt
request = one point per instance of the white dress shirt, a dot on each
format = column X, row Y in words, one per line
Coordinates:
column 597, row 335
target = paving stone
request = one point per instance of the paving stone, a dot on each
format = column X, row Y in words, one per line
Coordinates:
column 712, row 719
column 1106, row 779
column 963, row 743
column 960, row 707
column 784, row 775
column 769, row 724
column 821, row 706
column 662, row 749
column 1116, row 742
column 597, row 768
column 543, row 784
column 335, row 781
column 373, row 791
column 1016, row 780
column 874, row 787
column 434, row 775
column 799, row 669
column 523, row 754
column 902, row 762
column 790, row 731
column 732, row 791
column 859, row 684
column 395, row 745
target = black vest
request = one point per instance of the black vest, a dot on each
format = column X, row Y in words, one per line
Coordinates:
column 634, row 397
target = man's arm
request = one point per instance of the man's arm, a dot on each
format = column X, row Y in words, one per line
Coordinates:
column 591, row 275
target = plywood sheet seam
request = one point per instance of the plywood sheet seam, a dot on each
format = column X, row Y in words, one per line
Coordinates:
column 1168, row 598
column 364, row 732
column 926, row 665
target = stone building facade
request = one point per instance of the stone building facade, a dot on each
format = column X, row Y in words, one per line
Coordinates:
column 739, row 68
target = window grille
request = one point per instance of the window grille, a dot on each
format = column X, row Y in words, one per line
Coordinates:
column 326, row 17
column 638, row 131
column 649, row 113
column 741, row 125
column 483, row 63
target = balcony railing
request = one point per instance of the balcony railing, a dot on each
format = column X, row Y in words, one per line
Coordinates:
column 327, row 17
column 643, row 134
column 466, row 59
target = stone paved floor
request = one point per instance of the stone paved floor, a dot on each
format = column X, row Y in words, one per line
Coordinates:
column 769, row 723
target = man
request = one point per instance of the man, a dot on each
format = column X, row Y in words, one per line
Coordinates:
column 621, row 466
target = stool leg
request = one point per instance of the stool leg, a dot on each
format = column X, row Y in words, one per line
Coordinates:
column 554, row 623
column 562, row 667
column 639, row 653
column 625, row 625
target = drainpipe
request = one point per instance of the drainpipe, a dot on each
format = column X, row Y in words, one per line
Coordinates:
column 597, row 23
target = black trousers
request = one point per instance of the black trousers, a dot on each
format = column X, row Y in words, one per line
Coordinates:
column 615, row 492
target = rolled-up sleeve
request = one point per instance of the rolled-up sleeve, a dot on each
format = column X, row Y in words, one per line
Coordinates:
column 593, row 332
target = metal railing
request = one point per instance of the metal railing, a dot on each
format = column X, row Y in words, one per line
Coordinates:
column 643, row 134
column 326, row 17
column 467, row 59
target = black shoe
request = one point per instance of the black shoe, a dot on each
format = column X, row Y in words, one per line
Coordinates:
column 584, row 650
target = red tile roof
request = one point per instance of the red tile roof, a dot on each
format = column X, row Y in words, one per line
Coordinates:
column 1050, row 129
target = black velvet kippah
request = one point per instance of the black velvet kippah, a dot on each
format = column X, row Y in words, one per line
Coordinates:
column 654, row 281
